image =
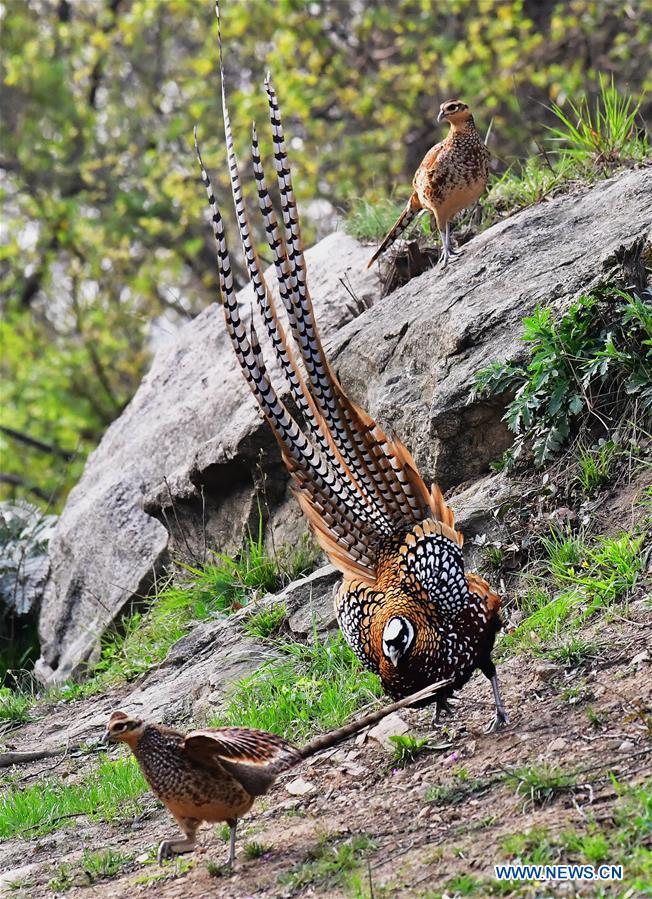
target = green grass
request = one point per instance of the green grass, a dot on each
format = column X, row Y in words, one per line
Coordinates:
column 219, row 588
column 108, row 793
column 602, row 137
column 265, row 623
column 576, row 580
column 540, row 784
column 624, row 838
column 573, row 652
column 596, row 465
column 455, row 791
column 371, row 220
column 15, row 705
column 309, row 688
column 254, row 849
column 328, row 866
column 93, row 866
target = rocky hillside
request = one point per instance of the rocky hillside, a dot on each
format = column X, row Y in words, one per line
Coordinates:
column 178, row 470
column 429, row 815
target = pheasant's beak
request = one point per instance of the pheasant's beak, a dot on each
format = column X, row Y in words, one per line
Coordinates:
column 394, row 656
column 105, row 738
column 441, row 116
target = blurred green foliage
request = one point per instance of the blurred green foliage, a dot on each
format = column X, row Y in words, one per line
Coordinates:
column 104, row 239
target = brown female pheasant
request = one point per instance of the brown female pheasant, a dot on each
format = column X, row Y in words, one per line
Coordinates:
column 215, row 774
column 451, row 177
column 406, row 606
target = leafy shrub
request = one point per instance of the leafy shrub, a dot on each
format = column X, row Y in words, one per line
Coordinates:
column 590, row 367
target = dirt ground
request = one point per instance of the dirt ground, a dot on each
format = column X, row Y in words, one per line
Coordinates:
column 417, row 844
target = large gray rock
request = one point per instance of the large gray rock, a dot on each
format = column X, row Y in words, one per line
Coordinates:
column 186, row 449
column 181, row 460
column 410, row 360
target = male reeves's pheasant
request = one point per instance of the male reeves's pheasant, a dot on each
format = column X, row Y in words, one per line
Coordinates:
column 406, row 606
column 215, row 774
column 451, row 177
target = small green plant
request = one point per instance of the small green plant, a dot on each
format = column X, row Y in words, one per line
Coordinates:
column 534, row 847
column 456, row 791
column 592, row 366
column 595, row 719
column 63, row 879
column 595, row 466
column 540, row 783
column 462, row 885
column 573, row 652
column 308, row 688
column 254, row 849
column 265, row 623
column 103, row 863
column 328, row 865
column 605, row 136
column 590, row 578
column 407, row 747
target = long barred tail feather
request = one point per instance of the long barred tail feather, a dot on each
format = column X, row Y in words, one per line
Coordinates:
column 355, row 485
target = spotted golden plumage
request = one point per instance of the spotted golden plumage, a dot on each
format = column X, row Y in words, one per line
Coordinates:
column 451, row 177
column 406, row 606
column 215, row 774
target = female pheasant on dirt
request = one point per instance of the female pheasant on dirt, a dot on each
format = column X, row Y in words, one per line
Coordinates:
column 406, row 606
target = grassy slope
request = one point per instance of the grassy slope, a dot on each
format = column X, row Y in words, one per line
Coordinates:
column 566, row 781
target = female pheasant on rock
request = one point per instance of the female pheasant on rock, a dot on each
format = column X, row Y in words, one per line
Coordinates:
column 451, row 177
column 406, row 606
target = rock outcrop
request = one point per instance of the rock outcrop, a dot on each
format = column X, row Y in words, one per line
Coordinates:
column 178, row 469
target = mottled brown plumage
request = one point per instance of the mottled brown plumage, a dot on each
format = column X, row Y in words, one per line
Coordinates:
column 451, row 177
column 215, row 774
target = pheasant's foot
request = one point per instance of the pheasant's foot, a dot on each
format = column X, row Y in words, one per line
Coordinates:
column 443, row 708
column 501, row 719
column 169, row 848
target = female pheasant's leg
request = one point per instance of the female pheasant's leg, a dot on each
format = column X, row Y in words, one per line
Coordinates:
column 443, row 259
column 233, row 823
column 168, row 848
column 451, row 249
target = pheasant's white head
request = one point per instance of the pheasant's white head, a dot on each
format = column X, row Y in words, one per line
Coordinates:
column 398, row 637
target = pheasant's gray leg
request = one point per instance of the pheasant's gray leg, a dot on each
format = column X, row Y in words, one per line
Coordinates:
column 501, row 718
column 231, row 858
column 443, row 259
column 168, row 848
column 451, row 249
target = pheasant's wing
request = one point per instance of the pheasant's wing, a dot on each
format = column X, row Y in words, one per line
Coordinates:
column 427, row 163
column 253, row 757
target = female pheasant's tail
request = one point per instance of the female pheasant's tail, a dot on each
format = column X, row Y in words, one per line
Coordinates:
column 355, row 485
column 412, row 208
column 338, row 736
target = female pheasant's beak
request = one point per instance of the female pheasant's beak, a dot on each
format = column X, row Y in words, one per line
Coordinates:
column 441, row 116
